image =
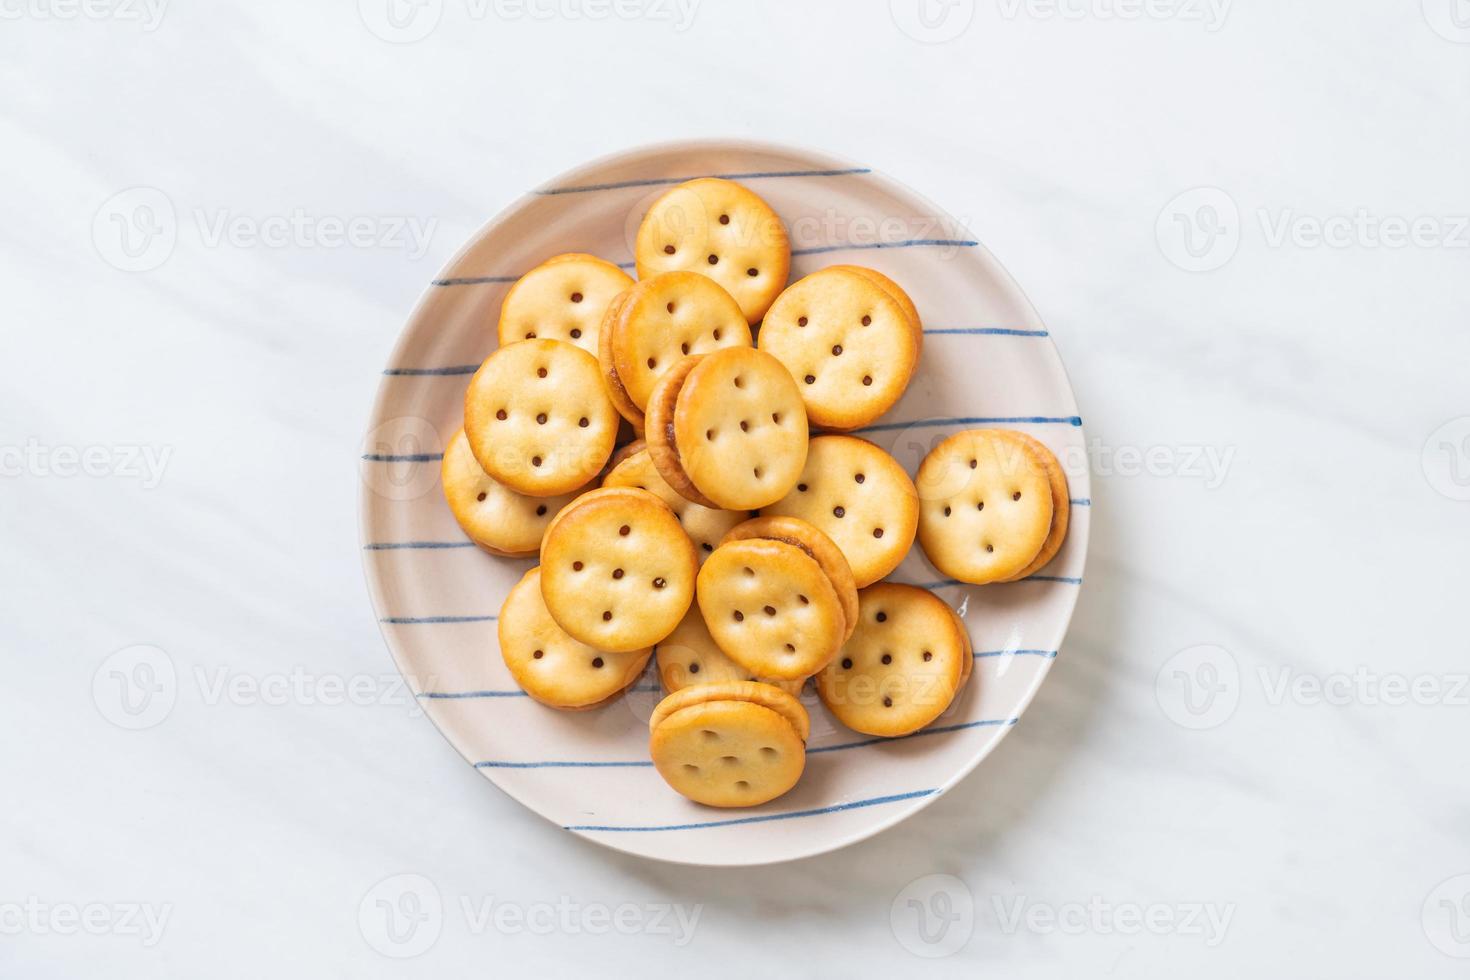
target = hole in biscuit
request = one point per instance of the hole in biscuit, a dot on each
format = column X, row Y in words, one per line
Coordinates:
column 882, row 617
column 690, row 767
column 974, row 463
column 810, row 379
column 839, row 512
column 531, row 335
column 668, row 250
column 709, row 736
column 683, row 348
column 670, row 307
column 776, row 417
column 597, row 662
column 659, row 583
column 928, row 656
column 652, row 363
column 480, row 495
column 540, row 372
column 739, row 381
column 541, row 510
column 535, row 460
column 1016, row 495
column 990, row 549
column 724, row 219
column 801, row 488
column 803, row 600
column 617, row 573
column 745, row 427
column 709, row 435
column 502, row 415
column 886, row 659
column 541, row 418
column 694, row 668
column 980, row 505
column 947, row 511
column 801, row 321
column 867, row 379
column 741, row 784
column 537, row 654
column 707, row 546
column 624, row 530
column 729, row 760
column 847, row 663
column 757, row 472
column 790, row 648
column 748, row 571
column 836, row 350
column 583, row 422
column 770, row 610
column 867, row 320
column 714, row 260
column 576, row 566
column 768, row 752
column 877, row 532
column 739, row 616
column 752, row 273
column 858, row 478
column 576, row 332
column 576, row 297
column 606, row 615
column 887, row 701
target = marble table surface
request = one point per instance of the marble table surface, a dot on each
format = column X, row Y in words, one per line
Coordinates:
column 1247, row 227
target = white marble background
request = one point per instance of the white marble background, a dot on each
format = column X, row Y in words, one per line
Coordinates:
column 1250, row 755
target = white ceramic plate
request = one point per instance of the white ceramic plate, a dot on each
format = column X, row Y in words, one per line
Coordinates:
column 987, row 360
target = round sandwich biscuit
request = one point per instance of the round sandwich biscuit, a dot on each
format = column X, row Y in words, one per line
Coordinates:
column 618, row 571
column 537, row 417
column 550, row 665
column 721, row 230
column 661, row 320
column 818, row 546
column 861, row 498
column 494, row 516
column 727, row 429
column 612, row 384
column 985, row 505
column 563, row 298
column 704, row 525
column 690, row 657
column 1061, row 508
column 772, row 606
column 729, row 745
column 902, row 667
column 849, row 344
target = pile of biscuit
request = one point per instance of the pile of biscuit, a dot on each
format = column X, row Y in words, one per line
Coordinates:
column 672, row 448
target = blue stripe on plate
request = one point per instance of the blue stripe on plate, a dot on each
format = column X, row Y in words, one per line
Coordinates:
column 906, row 243
column 453, row 369
column 1081, row 501
column 945, row 583
column 935, row 423
column 469, row 695
column 1048, row 654
column 471, row 280
column 415, row 620
column 854, row 805
column 402, row 458
column 988, row 331
column 660, row 181
column 415, row 545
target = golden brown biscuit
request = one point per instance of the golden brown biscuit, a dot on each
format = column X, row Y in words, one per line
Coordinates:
column 784, row 704
column 537, row 417
column 563, row 298
column 721, row 230
column 690, row 657
column 728, row 429
column 728, row 753
column 494, row 516
column 1061, row 508
column 902, row 667
column 661, row 320
column 861, row 498
column 772, row 605
column 618, row 571
column 821, row 548
column 551, row 666
column 848, row 342
column 611, row 383
column 985, row 505
column 704, row 525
